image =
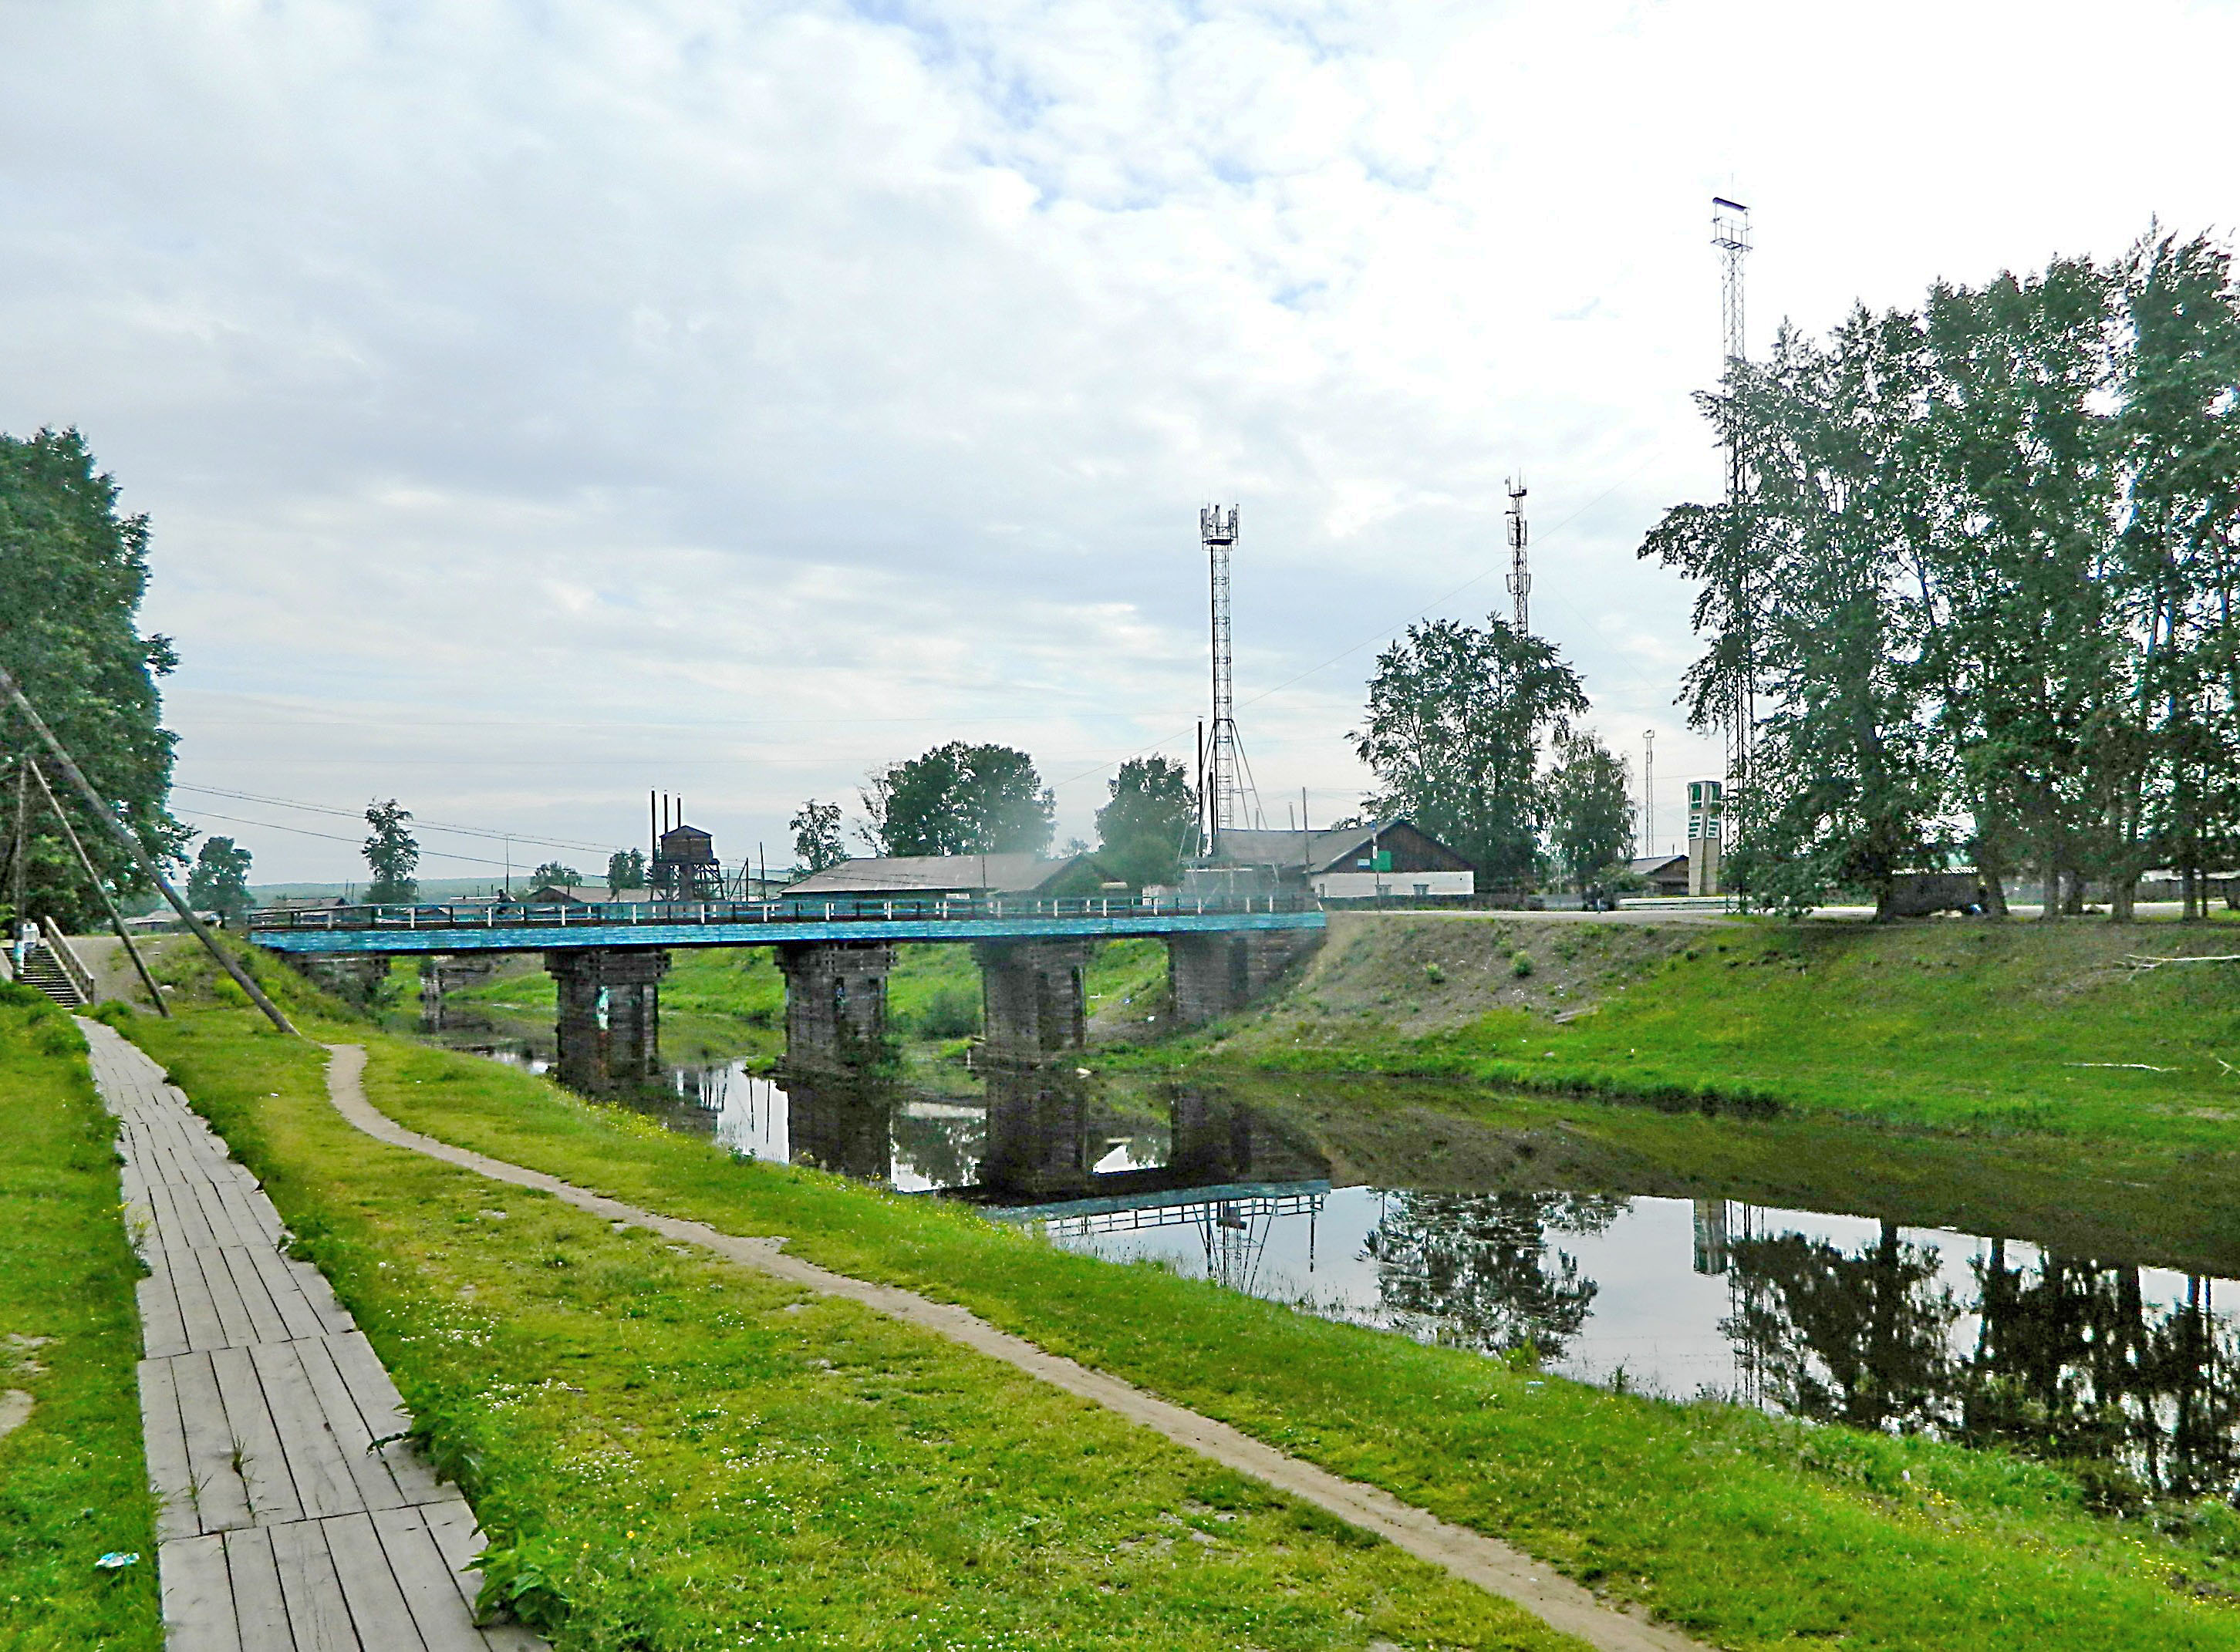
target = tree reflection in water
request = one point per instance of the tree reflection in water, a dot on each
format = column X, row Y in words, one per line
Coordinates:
column 2070, row 1360
column 1476, row 1269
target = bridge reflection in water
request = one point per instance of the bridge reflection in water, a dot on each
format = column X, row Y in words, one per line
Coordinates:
column 1833, row 1318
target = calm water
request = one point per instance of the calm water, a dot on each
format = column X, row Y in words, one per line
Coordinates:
column 1819, row 1315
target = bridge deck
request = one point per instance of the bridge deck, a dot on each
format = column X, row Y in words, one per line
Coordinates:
column 370, row 930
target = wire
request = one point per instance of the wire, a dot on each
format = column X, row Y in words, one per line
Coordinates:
column 333, row 838
column 492, row 833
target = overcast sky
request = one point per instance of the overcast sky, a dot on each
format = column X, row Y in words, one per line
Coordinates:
column 538, row 403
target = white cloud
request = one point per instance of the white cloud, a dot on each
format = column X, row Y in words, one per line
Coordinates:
column 538, row 403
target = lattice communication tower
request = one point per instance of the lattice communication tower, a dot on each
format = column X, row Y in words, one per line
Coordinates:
column 1227, row 786
column 1520, row 573
column 1731, row 233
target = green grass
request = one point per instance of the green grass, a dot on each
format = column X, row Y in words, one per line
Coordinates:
column 72, row 1484
column 1957, row 1026
column 1751, row 1531
column 676, row 1453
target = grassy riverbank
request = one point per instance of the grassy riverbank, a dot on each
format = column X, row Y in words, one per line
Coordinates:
column 72, row 1485
column 674, row 1453
column 2039, row 1028
column 1754, row 1533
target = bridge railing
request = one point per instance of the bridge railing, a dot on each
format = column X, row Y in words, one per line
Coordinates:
column 509, row 915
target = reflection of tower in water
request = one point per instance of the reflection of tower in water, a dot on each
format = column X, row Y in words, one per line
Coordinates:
column 1719, row 1224
column 1234, row 1233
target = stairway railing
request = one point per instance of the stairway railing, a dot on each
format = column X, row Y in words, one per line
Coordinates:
column 73, row 967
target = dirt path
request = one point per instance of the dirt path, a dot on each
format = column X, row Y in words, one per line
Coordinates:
column 1485, row 1561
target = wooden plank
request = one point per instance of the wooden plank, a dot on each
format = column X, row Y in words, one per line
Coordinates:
column 259, row 1612
column 316, row 1615
column 376, row 1487
column 377, row 1605
column 232, row 1313
column 323, row 1479
column 165, row 1438
column 289, row 1300
column 221, row 1499
column 384, row 1414
column 263, row 1465
column 162, row 1332
column 265, row 1318
column 459, row 1540
column 424, row 1579
column 197, row 1599
column 197, row 1312
column 321, row 1295
column 219, row 1220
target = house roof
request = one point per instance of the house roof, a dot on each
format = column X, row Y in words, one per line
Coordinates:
column 932, row 874
column 1644, row 865
column 1314, row 851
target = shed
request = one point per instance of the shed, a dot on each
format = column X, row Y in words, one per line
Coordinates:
column 685, row 866
column 1664, row 873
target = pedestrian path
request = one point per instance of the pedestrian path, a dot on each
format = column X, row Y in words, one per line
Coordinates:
column 1475, row 1558
column 292, row 1516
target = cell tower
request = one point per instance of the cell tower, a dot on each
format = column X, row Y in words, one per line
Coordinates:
column 1731, row 233
column 1224, row 786
column 1520, row 574
column 1648, row 791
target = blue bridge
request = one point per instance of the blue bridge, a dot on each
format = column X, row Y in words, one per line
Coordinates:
column 608, row 959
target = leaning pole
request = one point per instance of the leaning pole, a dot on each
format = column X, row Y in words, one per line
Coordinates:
column 124, row 834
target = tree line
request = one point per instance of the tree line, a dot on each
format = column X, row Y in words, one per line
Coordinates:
column 1982, row 584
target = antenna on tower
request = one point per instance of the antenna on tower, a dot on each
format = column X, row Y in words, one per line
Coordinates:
column 1520, row 574
column 1227, row 801
column 1648, row 791
column 1731, row 233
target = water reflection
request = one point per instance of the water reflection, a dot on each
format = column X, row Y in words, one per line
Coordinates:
column 1829, row 1317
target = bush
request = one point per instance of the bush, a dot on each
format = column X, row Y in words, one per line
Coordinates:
column 952, row 1010
column 1521, row 965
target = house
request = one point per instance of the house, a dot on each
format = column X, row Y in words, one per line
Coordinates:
column 1664, row 873
column 961, row 876
column 1382, row 859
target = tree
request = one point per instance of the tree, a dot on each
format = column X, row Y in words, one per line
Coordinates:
column 557, row 875
column 959, row 799
column 1150, row 822
column 1456, row 722
column 72, row 572
column 817, row 836
column 625, row 870
column 393, row 853
column 219, row 879
column 1590, row 808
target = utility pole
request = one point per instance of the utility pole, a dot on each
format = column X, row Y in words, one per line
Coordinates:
column 1520, row 574
column 1731, row 233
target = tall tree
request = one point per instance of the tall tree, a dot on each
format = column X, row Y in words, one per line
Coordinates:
column 558, row 874
column 960, row 799
column 393, row 853
column 817, row 836
column 72, row 572
column 1457, row 721
column 625, row 870
column 1591, row 810
column 218, row 882
column 1146, row 828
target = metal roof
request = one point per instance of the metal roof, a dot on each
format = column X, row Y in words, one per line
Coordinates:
column 895, row 874
column 1317, row 851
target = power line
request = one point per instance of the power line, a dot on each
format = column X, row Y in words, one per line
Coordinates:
column 494, row 834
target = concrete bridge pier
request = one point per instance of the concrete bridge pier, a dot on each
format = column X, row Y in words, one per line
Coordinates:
column 1216, row 974
column 1035, row 1005
column 609, row 1020
column 836, row 1000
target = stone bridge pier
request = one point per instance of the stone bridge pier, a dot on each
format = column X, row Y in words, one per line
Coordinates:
column 1034, row 1007
column 1216, row 974
column 836, row 1000
column 609, row 1021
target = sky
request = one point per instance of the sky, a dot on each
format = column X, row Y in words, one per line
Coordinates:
column 538, row 403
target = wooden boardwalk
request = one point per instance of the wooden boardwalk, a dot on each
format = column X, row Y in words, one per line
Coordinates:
column 281, row 1527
